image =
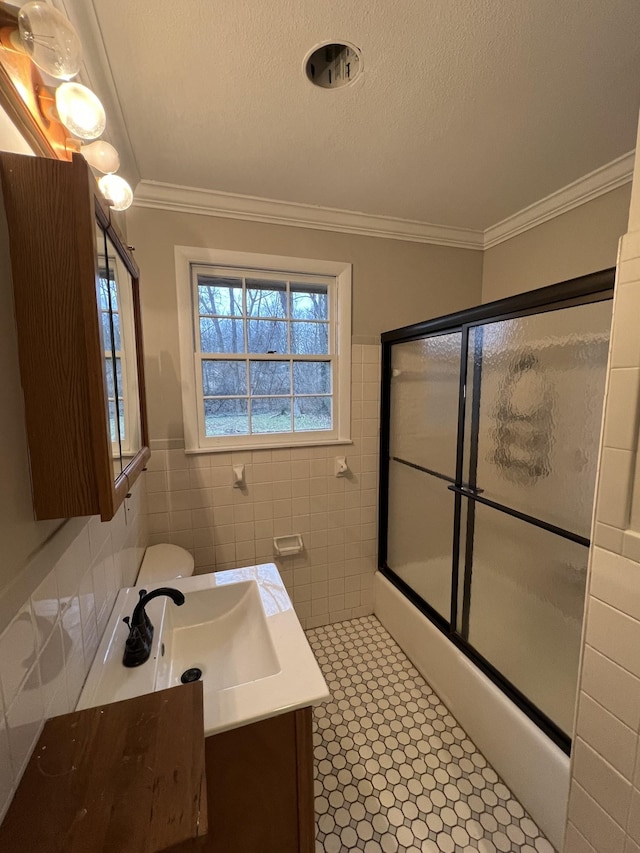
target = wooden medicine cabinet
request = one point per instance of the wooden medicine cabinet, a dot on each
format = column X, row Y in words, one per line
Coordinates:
column 77, row 312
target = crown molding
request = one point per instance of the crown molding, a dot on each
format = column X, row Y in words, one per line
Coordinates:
column 161, row 196
column 181, row 199
column 615, row 174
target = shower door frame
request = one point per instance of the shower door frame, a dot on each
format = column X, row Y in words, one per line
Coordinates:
column 595, row 287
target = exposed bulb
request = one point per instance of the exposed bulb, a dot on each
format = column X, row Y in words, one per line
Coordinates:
column 116, row 191
column 80, row 110
column 102, row 156
column 50, row 40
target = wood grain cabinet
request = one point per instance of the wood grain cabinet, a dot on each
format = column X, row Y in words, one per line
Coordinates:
column 77, row 312
column 260, row 788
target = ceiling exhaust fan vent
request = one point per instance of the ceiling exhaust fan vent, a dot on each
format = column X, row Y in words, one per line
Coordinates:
column 334, row 65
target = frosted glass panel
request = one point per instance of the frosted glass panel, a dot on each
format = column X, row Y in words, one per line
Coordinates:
column 425, row 386
column 527, row 597
column 421, row 534
column 542, row 390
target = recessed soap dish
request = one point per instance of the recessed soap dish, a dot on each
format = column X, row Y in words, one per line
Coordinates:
column 286, row 545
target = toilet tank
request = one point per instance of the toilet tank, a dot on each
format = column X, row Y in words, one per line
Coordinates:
column 164, row 563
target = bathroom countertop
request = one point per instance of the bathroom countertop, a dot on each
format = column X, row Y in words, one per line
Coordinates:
column 294, row 680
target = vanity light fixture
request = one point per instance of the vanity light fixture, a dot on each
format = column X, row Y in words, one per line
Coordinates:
column 116, row 191
column 57, row 117
column 102, row 156
column 80, row 111
column 49, row 40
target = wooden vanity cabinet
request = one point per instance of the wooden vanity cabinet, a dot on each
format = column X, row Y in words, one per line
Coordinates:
column 260, row 788
column 54, row 219
column 127, row 777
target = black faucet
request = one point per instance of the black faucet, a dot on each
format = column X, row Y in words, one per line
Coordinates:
column 138, row 646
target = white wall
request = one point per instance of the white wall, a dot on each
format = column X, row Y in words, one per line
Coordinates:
column 578, row 242
column 58, row 579
column 191, row 501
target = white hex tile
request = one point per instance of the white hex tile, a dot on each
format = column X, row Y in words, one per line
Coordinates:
column 373, row 747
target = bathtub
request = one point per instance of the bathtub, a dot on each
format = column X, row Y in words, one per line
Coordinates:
column 536, row 770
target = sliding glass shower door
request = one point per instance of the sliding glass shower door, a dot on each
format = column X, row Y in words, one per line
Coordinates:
column 425, row 389
column 489, row 451
column 536, row 390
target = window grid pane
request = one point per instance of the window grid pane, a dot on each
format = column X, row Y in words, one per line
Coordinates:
column 299, row 319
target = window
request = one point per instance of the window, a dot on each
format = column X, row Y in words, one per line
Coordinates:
column 265, row 349
column 110, row 321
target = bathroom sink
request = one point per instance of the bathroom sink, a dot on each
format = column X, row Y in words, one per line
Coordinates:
column 221, row 631
column 237, row 627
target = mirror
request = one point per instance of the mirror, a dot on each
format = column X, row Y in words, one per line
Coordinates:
column 117, row 330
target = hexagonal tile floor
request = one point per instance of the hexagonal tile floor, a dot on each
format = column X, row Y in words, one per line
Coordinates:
column 394, row 772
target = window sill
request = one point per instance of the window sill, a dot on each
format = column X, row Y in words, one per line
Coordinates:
column 196, row 451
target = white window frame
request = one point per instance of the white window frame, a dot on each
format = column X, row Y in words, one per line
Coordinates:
column 128, row 447
column 339, row 288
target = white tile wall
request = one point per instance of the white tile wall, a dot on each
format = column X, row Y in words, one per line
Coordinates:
column 604, row 805
column 192, row 503
column 47, row 649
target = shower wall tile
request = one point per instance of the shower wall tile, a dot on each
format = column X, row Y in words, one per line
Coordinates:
column 602, row 781
column 575, row 842
column 621, row 421
column 48, row 647
column 616, row 581
column 625, row 342
column 614, row 492
column 604, row 810
column 608, row 537
column 607, row 735
column 613, row 687
column 614, row 634
column 593, row 822
column 631, row 545
column 192, row 503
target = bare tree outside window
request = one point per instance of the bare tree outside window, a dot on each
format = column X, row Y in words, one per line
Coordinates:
column 266, row 365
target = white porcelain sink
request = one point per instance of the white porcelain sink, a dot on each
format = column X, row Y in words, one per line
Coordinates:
column 239, row 627
column 222, row 631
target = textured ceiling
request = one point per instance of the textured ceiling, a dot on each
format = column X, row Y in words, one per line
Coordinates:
column 466, row 110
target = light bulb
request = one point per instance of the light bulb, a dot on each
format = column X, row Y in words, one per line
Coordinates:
column 102, row 156
column 80, row 110
column 116, row 191
column 50, row 40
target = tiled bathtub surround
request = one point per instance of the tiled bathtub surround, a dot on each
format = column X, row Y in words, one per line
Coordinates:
column 604, row 803
column 47, row 649
column 394, row 772
column 192, row 503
